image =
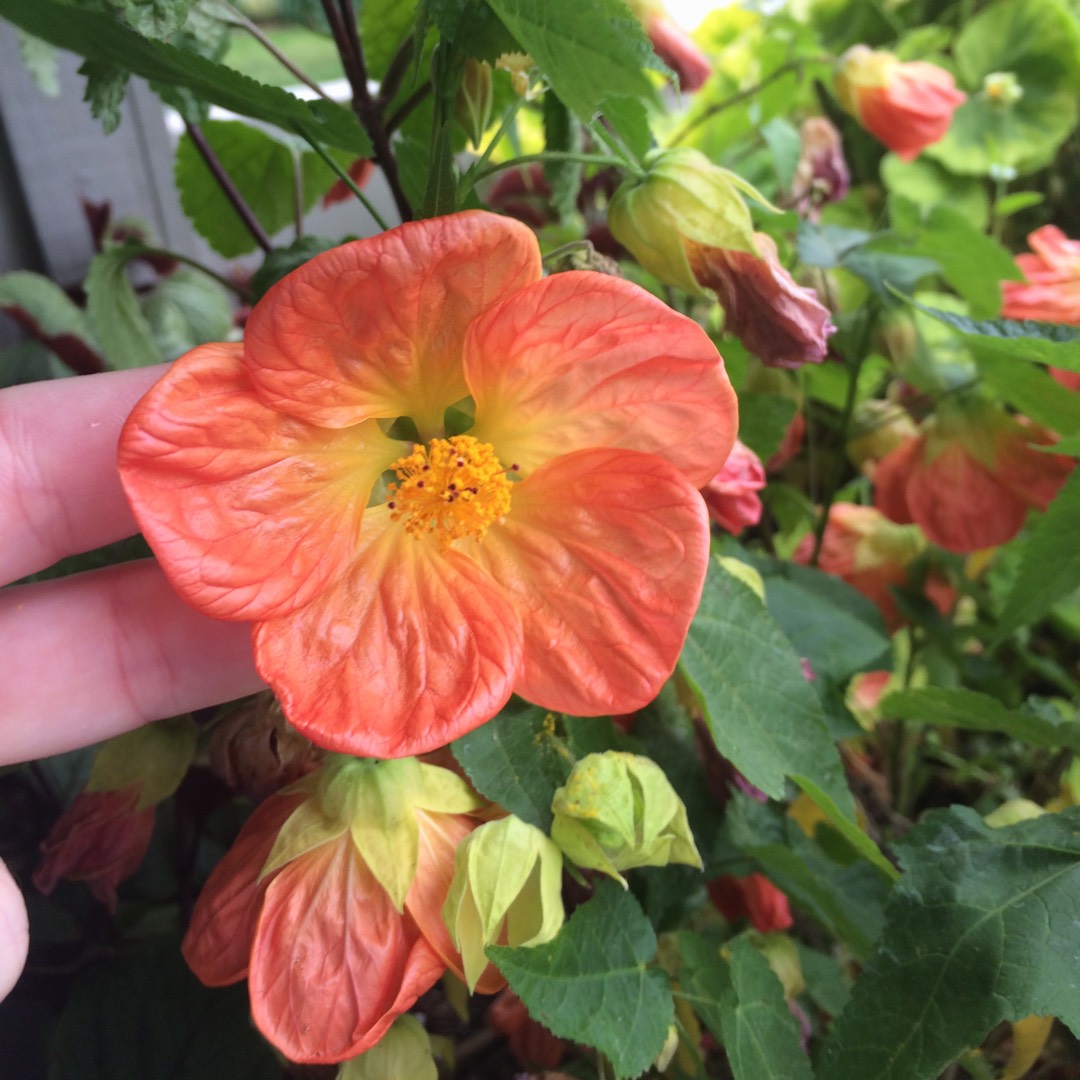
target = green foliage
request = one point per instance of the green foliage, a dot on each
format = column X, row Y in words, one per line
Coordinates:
column 186, row 309
column 517, row 761
column 47, row 312
column 1049, row 563
column 742, row 1002
column 103, row 42
column 112, row 307
column 762, row 713
column 592, row 983
column 983, row 927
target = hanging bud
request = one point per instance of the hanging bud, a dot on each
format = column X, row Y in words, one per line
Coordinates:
column 617, row 811
column 404, row 1050
column 533, row 1046
column 472, row 106
column 896, row 336
column 821, row 175
column 507, row 890
column 102, row 837
column 877, row 428
column 907, row 106
column 673, row 45
column 732, row 494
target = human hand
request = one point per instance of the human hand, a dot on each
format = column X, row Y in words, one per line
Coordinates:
column 92, row 655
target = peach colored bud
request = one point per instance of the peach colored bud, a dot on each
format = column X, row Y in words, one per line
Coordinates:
column 878, row 427
column 907, row 106
column 732, row 494
column 896, row 336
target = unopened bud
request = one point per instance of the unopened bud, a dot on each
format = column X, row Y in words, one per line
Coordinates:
column 877, row 428
column 472, row 107
column 896, row 336
column 618, row 811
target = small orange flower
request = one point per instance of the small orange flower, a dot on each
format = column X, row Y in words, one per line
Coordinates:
column 970, row 477
column 402, row 590
column 1051, row 292
column 752, row 897
column 862, row 547
column 673, row 44
column 732, row 494
column 907, row 106
column 302, row 905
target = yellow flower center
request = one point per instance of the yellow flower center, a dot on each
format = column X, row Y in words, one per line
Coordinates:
column 454, row 488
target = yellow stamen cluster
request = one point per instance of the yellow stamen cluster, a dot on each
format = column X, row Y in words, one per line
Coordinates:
column 455, row 488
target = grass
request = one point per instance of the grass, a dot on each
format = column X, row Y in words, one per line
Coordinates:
column 311, row 52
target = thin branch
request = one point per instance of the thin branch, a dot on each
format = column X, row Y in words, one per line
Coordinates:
column 342, row 20
column 399, row 115
column 345, row 178
column 395, row 73
column 232, row 193
column 242, row 22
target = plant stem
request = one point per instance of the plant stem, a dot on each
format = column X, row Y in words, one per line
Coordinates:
column 241, row 21
column 342, row 20
column 549, row 155
column 343, row 175
column 221, row 279
column 395, row 73
column 226, row 184
column 742, row 95
column 468, row 181
column 616, row 146
column 397, row 118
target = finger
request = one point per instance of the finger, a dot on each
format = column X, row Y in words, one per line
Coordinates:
column 97, row 654
column 59, row 488
column 14, row 932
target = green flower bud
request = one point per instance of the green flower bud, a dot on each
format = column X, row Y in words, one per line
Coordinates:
column 618, row 811
column 683, row 199
column 507, row 890
column 404, row 1050
column 472, row 106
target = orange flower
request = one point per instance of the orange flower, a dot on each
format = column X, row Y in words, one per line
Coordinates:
column 862, row 547
column 532, row 1045
column 970, row 477
column 556, row 549
column 331, row 914
column 907, row 106
column 673, row 44
column 752, row 897
column 732, row 494
column 1051, row 292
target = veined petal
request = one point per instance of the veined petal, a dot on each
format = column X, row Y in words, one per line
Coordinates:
column 603, row 555
column 333, row 963
column 375, row 328
column 251, row 512
column 217, row 945
column 583, row 360
column 412, row 648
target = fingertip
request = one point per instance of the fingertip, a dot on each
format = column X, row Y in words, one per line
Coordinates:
column 14, row 932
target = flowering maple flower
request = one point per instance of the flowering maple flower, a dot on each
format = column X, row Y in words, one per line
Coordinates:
column 732, row 494
column 329, row 903
column 907, row 106
column 402, row 590
column 752, row 897
column 532, row 1045
column 687, row 224
column 103, row 836
column 673, row 44
column 1051, row 291
column 970, row 477
column 872, row 554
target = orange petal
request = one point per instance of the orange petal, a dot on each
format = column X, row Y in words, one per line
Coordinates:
column 333, row 964
column 583, row 360
column 251, row 512
column 414, row 647
column 603, row 554
column 375, row 328
column 217, row 945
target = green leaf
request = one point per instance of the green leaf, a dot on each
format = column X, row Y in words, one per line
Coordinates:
column 1049, row 562
column 1016, row 201
column 100, row 39
column 630, row 120
column 590, row 50
column 154, row 18
column 384, row 25
column 40, row 59
column 1030, row 389
column 591, row 984
column 826, row 245
column 984, row 926
column 471, row 26
column 847, row 898
column 1013, row 339
column 46, row 312
column 742, row 1002
column 285, row 260
column 762, row 713
column 829, row 990
column 764, row 420
column 173, row 1025
column 926, row 183
column 885, row 270
column 261, row 166
column 961, row 708
column 114, row 313
column 186, row 309
column 785, row 145
column 517, row 761
column 106, row 85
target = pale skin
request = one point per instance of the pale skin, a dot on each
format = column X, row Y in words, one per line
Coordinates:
column 97, row 654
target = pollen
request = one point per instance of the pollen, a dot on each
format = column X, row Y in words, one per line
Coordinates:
column 453, row 488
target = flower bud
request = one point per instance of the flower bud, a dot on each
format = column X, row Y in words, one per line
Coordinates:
column 732, row 494
column 877, row 428
column 617, row 811
column 821, row 175
column 683, row 198
column 404, row 1050
column 907, row 106
column 896, row 336
column 507, row 890
column 472, row 106
column 102, row 837
column 752, row 897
